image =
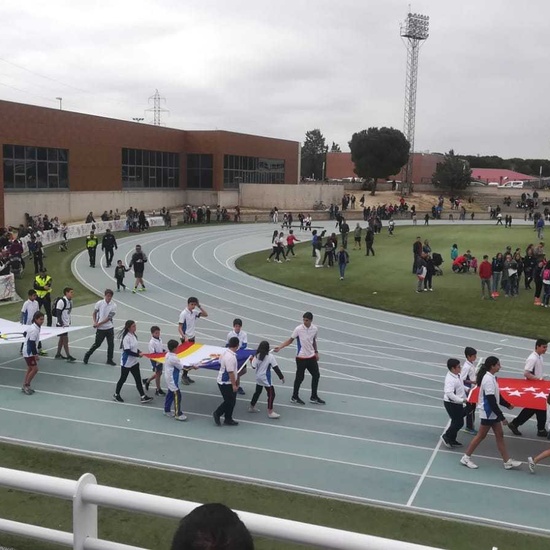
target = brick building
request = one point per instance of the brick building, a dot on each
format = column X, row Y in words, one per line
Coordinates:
column 340, row 165
column 64, row 163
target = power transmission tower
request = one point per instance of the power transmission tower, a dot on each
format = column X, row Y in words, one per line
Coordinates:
column 157, row 109
column 414, row 30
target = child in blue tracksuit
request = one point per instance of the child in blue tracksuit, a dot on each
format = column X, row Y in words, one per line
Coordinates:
column 343, row 260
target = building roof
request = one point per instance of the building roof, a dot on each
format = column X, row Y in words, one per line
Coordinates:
column 498, row 175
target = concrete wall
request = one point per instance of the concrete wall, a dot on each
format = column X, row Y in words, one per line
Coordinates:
column 75, row 206
column 290, row 197
column 229, row 199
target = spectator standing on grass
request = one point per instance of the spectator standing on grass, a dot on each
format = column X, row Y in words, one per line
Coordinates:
column 102, row 317
column 417, row 251
column 486, row 275
column 533, row 370
column 129, row 362
column 290, row 241
column 357, row 237
column 430, row 272
column 490, row 414
column 497, row 269
column 109, row 245
column 63, row 308
column 343, row 261
column 187, row 327
column 344, row 230
column 307, row 358
column 421, row 272
column 369, row 241
column 540, row 228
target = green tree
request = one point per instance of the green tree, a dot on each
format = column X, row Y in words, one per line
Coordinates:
column 453, row 174
column 313, row 155
column 378, row 153
column 335, row 148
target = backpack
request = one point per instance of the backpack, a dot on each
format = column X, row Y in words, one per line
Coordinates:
column 56, row 312
column 546, row 275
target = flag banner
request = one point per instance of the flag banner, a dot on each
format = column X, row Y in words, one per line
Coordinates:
column 14, row 333
column 203, row 356
column 528, row 394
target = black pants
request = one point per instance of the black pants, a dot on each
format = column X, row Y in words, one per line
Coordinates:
column 270, row 390
column 290, row 250
column 120, row 283
column 91, row 254
column 428, row 280
column 310, row 364
column 124, row 372
column 46, row 302
column 109, row 253
column 229, row 400
column 456, row 412
column 526, row 414
column 100, row 335
column 368, row 246
column 38, row 263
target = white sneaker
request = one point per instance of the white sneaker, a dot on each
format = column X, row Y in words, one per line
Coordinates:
column 467, row 461
column 511, row 463
column 531, row 464
column 168, row 414
column 273, row 414
column 253, row 410
column 181, row 417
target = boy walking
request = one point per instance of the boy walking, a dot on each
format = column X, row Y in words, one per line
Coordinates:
column 104, row 312
column 120, row 273
column 172, row 369
column 186, row 328
column 155, row 346
column 306, row 359
column 227, row 383
column 468, row 378
column 30, row 351
column 62, row 309
column 243, row 343
column 454, row 399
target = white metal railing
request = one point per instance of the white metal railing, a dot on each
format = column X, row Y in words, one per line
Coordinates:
column 87, row 495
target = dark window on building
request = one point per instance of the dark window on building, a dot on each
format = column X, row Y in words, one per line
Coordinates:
column 238, row 169
column 150, row 169
column 200, row 174
column 35, row 167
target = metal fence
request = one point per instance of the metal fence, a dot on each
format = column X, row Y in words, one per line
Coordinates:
column 86, row 495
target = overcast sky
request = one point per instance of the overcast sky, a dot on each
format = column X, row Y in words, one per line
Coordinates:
column 282, row 67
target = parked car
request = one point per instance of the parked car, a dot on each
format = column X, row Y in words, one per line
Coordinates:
column 514, row 184
column 493, row 184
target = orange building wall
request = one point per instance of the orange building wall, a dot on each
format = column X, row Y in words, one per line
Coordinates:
column 340, row 165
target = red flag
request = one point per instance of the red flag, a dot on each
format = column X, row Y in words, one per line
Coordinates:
column 529, row 394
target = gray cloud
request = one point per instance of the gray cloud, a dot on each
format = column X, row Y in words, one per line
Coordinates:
column 282, row 68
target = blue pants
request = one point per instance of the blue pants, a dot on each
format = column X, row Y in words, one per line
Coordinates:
column 342, row 269
column 173, row 397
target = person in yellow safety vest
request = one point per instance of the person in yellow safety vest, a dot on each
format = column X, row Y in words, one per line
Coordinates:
column 91, row 245
column 43, row 287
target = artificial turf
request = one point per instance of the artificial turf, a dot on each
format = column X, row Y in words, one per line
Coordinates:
column 386, row 281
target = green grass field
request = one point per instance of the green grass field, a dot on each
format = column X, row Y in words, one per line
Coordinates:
column 386, row 282
column 455, row 300
column 155, row 533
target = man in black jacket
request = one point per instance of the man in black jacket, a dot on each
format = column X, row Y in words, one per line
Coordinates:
column 109, row 245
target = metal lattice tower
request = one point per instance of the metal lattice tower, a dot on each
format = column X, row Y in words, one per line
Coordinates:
column 157, row 109
column 414, row 30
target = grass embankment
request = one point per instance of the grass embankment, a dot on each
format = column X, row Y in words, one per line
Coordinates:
column 155, row 533
column 386, row 280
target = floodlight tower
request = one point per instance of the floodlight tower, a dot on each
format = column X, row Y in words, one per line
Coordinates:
column 157, row 109
column 414, row 30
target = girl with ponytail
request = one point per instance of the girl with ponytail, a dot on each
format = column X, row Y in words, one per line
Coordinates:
column 491, row 417
column 129, row 362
